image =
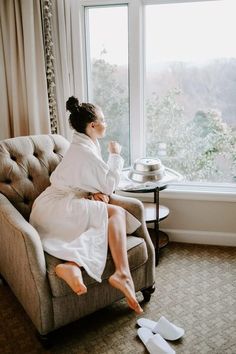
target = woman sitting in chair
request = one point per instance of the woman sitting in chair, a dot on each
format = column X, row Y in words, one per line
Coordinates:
column 73, row 216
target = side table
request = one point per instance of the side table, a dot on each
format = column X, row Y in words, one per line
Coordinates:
column 155, row 213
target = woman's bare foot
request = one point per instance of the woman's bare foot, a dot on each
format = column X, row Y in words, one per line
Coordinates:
column 125, row 284
column 71, row 274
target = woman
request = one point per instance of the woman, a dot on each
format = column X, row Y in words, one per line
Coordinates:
column 73, row 216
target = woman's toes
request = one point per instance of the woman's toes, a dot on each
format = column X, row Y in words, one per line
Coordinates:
column 134, row 305
column 138, row 309
column 82, row 291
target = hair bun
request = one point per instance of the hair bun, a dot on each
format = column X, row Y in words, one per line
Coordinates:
column 72, row 104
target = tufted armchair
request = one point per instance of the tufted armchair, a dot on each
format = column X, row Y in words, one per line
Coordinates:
column 25, row 166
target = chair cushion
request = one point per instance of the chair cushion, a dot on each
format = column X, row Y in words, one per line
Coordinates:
column 137, row 255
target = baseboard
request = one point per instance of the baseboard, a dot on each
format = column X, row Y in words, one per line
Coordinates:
column 202, row 237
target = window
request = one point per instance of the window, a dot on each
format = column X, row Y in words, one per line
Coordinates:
column 182, row 101
column 107, row 70
column 191, row 88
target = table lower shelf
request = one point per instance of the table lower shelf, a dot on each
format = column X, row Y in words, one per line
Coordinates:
column 163, row 238
column 150, row 212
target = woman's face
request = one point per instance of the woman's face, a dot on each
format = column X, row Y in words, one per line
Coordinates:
column 100, row 125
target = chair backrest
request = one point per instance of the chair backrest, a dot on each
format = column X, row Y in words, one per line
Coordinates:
column 26, row 163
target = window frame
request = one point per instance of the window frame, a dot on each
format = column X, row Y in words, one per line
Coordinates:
column 136, row 70
column 136, row 52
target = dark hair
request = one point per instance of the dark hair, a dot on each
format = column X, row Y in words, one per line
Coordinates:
column 81, row 114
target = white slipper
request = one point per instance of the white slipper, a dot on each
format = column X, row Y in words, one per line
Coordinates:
column 154, row 343
column 164, row 327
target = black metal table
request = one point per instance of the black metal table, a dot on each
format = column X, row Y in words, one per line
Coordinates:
column 154, row 213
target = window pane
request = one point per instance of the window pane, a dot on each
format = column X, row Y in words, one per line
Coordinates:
column 191, row 88
column 107, row 57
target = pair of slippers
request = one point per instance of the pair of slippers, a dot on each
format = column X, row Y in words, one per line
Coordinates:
column 153, row 335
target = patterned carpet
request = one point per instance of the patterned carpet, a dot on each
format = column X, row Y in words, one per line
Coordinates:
column 196, row 289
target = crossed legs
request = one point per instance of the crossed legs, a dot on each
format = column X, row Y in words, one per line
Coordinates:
column 121, row 279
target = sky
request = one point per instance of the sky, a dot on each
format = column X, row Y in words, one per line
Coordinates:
column 199, row 31
column 109, row 29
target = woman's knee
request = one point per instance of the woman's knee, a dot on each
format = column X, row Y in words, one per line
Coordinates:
column 115, row 210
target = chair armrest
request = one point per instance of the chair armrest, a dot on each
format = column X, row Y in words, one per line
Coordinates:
column 22, row 264
column 135, row 207
column 132, row 205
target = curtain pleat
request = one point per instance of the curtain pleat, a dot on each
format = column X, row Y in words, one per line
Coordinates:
column 5, row 123
column 68, row 56
column 24, row 102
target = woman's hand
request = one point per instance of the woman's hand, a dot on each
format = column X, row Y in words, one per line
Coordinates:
column 114, row 147
column 100, row 197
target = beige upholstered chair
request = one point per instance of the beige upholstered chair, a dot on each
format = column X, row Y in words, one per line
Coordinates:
column 25, row 166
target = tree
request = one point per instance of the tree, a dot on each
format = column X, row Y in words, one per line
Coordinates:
column 112, row 96
column 202, row 149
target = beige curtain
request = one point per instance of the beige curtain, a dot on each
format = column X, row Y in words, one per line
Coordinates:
column 68, row 57
column 23, row 98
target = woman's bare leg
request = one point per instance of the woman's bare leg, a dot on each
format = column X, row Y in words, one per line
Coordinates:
column 122, row 278
column 70, row 272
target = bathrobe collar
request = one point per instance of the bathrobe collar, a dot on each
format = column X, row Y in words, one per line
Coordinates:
column 85, row 140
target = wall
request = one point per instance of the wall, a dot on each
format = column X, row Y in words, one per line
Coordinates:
column 201, row 221
column 198, row 217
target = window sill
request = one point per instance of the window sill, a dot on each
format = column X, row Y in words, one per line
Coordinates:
column 193, row 191
column 200, row 191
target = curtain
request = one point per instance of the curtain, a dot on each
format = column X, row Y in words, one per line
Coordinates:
column 67, row 52
column 23, row 100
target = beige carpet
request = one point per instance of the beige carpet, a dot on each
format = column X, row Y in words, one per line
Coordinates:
column 196, row 289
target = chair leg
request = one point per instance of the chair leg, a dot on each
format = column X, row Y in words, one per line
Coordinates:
column 147, row 293
column 2, row 280
column 45, row 340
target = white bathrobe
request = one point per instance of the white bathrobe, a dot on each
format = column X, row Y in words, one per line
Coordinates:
column 70, row 226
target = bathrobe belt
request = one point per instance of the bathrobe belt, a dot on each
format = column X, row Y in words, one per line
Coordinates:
column 70, row 190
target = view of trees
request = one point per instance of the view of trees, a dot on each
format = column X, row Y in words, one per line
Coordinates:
column 202, row 149
column 110, row 92
column 190, row 116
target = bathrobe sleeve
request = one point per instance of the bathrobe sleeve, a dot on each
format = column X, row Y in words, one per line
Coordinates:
column 110, row 177
column 97, row 176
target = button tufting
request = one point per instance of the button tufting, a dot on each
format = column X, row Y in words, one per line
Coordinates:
column 8, row 181
column 13, row 157
column 35, row 154
column 30, row 178
column 26, row 201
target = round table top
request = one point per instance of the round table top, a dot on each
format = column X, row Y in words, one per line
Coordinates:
column 128, row 185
